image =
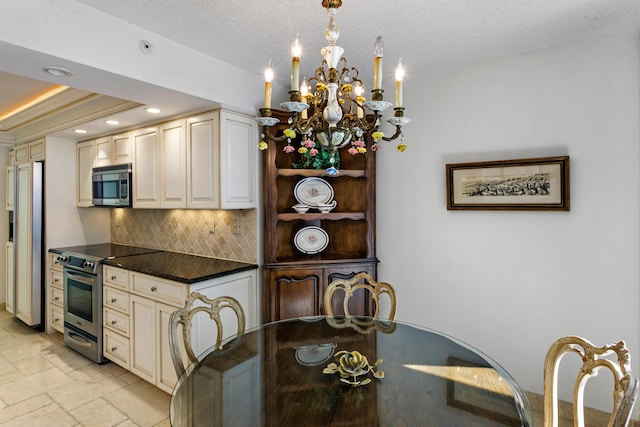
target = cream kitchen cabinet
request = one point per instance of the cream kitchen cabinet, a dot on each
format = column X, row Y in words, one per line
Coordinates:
column 56, row 295
column 9, row 274
column 173, row 165
column 113, row 150
column 142, row 345
column 29, row 152
column 85, row 159
column 221, row 161
column 159, row 175
column 10, row 187
column 146, row 168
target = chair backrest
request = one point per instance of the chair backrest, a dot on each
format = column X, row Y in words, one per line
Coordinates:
column 182, row 317
column 360, row 281
column 625, row 386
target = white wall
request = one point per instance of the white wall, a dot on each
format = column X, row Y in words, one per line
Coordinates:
column 66, row 225
column 510, row 283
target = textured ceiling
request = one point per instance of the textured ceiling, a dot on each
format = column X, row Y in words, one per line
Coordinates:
column 427, row 34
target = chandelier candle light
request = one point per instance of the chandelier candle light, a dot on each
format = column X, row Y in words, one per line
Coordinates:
column 332, row 114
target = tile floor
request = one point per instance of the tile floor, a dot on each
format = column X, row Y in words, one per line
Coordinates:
column 43, row 383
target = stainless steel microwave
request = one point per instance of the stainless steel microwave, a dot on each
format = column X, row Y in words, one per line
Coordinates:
column 112, row 186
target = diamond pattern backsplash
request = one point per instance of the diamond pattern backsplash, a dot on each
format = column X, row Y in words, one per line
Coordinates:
column 188, row 231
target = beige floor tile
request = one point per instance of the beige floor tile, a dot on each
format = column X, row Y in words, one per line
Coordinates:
column 67, row 360
column 143, row 403
column 10, row 376
column 127, row 423
column 98, row 413
column 25, row 350
column 27, row 387
column 32, row 365
column 77, row 393
column 49, row 416
column 12, row 412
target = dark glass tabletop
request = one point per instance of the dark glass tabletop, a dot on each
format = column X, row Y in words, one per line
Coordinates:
column 279, row 374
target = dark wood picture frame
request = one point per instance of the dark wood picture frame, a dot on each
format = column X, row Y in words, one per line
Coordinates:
column 536, row 184
column 495, row 407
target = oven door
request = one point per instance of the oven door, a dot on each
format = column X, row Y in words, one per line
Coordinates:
column 82, row 301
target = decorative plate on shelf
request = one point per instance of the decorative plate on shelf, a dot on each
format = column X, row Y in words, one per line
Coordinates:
column 313, row 191
column 311, row 240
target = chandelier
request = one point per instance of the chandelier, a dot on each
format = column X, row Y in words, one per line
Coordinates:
column 329, row 111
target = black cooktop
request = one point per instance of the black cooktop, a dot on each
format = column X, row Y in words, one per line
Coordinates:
column 103, row 250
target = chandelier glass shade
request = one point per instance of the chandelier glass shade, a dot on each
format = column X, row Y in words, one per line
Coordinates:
column 329, row 110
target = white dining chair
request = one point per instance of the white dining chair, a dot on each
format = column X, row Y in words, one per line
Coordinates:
column 614, row 357
column 183, row 317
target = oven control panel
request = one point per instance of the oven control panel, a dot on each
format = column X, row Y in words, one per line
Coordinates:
column 75, row 262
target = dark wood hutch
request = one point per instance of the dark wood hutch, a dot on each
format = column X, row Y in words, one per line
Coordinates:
column 294, row 282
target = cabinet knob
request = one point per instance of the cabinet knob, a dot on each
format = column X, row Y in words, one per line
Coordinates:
column 56, row 280
column 113, row 300
column 56, row 320
column 56, row 298
column 114, row 348
column 114, row 277
column 153, row 289
column 113, row 322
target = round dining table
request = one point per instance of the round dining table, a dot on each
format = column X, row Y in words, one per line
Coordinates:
column 333, row 371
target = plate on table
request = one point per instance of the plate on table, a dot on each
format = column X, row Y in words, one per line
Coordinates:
column 311, row 240
column 313, row 191
column 311, row 355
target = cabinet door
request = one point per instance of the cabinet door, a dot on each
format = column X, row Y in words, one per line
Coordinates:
column 203, row 159
column 36, row 150
column 9, row 277
column 173, row 166
column 85, row 152
column 293, row 293
column 360, row 302
column 104, row 152
column 121, row 149
column 166, row 372
column 238, row 138
column 10, row 185
column 146, row 170
column 144, row 332
column 24, row 292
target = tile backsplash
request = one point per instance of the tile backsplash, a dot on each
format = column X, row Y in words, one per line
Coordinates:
column 188, row 231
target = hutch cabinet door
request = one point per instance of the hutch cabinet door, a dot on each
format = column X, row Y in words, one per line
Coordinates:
column 293, row 293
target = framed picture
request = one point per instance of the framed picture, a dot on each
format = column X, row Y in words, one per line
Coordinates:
column 494, row 401
column 540, row 184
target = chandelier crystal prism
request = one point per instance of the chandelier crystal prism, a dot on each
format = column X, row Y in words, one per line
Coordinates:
column 335, row 112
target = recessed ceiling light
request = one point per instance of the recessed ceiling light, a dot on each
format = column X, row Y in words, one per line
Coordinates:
column 112, row 122
column 153, row 110
column 58, row 72
column 80, row 131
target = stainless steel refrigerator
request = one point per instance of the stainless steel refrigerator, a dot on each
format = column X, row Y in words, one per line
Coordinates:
column 28, row 235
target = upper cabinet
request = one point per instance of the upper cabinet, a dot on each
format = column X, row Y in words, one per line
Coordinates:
column 29, row 152
column 85, row 159
column 207, row 161
column 113, row 150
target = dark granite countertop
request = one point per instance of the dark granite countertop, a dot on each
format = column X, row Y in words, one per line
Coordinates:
column 179, row 267
column 103, row 250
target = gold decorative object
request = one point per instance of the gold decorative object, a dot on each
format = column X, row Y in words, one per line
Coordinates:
column 352, row 365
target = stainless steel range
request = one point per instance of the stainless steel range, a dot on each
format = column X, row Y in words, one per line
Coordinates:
column 82, row 272
column 83, row 304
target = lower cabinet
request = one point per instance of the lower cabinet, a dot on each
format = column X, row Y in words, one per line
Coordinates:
column 136, row 312
column 296, row 291
column 9, row 278
column 56, row 295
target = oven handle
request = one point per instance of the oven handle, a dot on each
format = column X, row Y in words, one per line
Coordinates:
column 83, row 343
column 89, row 280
